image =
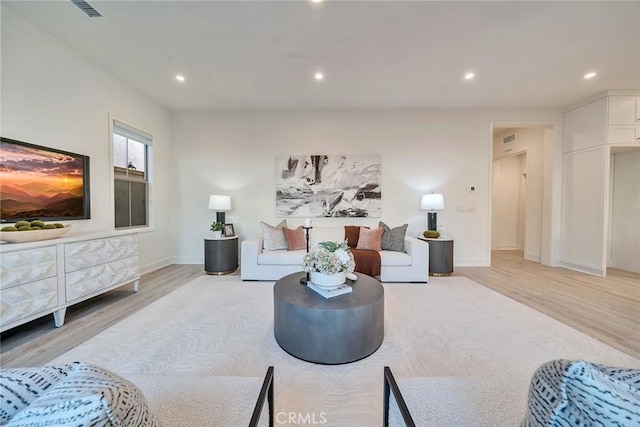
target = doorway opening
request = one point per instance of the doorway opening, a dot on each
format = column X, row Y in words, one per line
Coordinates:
column 517, row 190
column 509, row 203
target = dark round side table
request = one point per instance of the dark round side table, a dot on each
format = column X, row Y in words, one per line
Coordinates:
column 329, row 331
column 221, row 255
column 440, row 256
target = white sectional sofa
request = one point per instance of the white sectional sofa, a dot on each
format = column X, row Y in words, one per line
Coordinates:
column 258, row 264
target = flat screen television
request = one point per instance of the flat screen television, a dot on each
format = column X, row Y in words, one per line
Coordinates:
column 42, row 183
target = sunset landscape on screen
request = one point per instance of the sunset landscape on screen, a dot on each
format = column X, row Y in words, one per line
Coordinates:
column 37, row 183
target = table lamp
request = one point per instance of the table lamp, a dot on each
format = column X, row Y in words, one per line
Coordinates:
column 432, row 202
column 220, row 204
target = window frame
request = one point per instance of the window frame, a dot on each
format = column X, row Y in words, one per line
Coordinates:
column 123, row 129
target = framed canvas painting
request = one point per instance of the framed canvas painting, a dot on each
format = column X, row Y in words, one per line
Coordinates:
column 328, row 186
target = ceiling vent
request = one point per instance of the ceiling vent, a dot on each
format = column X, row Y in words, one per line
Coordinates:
column 509, row 139
column 87, row 8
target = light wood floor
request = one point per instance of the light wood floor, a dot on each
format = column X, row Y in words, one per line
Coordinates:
column 606, row 309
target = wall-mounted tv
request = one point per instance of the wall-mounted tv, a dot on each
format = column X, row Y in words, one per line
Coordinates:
column 42, row 183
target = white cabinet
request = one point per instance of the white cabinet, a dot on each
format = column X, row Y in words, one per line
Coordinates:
column 618, row 135
column 46, row 277
column 28, row 284
column 592, row 130
column 623, row 110
column 624, row 120
column 95, row 265
column 586, row 126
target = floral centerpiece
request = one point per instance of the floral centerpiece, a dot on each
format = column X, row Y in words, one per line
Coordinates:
column 329, row 263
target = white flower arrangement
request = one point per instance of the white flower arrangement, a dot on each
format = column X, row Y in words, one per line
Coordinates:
column 329, row 258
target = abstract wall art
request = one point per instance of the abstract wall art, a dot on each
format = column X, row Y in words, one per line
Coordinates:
column 328, row 186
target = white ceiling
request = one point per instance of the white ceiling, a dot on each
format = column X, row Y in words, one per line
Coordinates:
column 375, row 54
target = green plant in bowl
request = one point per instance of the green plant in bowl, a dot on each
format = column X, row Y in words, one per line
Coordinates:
column 217, row 226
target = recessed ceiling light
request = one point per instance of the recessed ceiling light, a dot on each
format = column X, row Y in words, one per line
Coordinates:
column 318, row 76
column 469, row 76
column 316, row 1
column 590, row 75
column 180, row 78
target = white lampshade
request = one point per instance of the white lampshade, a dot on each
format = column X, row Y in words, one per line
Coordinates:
column 219, row 203
column 432, row 202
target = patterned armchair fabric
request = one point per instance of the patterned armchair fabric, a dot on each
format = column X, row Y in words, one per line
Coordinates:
column 577, row 393
column 75, row 394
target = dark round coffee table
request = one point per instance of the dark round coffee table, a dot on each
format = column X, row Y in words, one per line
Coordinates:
column 330, row 331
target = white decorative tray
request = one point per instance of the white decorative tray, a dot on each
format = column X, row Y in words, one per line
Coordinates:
column 32, row 235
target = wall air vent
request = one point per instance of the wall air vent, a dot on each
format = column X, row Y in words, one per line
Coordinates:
column 508, row 139
column 87, row 8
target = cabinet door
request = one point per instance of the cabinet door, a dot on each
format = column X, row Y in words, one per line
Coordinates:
column 85, row 282
column 586, row 126
column 86, row 254
column 22, row 301
column 623, row 110
column 623, row 135
column 19, row 267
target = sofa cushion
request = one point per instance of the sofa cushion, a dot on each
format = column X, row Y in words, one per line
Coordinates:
column 21, row 386
column 281, row 258
column 273, row 238
column 369, row 239
column 393, row 238
column 89, row 395
column 295, row 238
column 392, row 258
column 324, row 234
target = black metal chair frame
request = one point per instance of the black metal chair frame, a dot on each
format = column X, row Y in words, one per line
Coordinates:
column 266, row 393
column 390, row 386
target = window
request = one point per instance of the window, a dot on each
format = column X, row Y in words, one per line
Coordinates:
column 131, row 176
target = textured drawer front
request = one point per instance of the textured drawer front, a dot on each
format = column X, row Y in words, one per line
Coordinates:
column 20, row 267
column 87, row 281
column 124, row 246
column 124, row 270
column 91, row 280
column 22, row 301
column 85, row 254
column 100, row 251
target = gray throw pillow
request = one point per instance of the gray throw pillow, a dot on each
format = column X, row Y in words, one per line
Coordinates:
column 393, row 238
column 89, row 395
column 273, row 238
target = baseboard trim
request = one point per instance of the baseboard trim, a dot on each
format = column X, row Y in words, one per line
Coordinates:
column 188, row 260
column 532, row 257
column 583, row 269
column 148, row 268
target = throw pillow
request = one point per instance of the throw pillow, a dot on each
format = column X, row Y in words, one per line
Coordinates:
column 89, row 395
column 393, row 238
column 21, row 386
column 351, row 234
column 295, row 238
column 369, row 239
column 273, row 237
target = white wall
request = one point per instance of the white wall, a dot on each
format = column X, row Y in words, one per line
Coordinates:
column 529, row 141
column 625, row 215
column 54, row 97
column 422, row 150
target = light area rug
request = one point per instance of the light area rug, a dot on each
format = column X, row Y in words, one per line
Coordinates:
column 450, row 327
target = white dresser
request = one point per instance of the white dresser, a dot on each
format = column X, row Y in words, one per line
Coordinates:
column 46, row 277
